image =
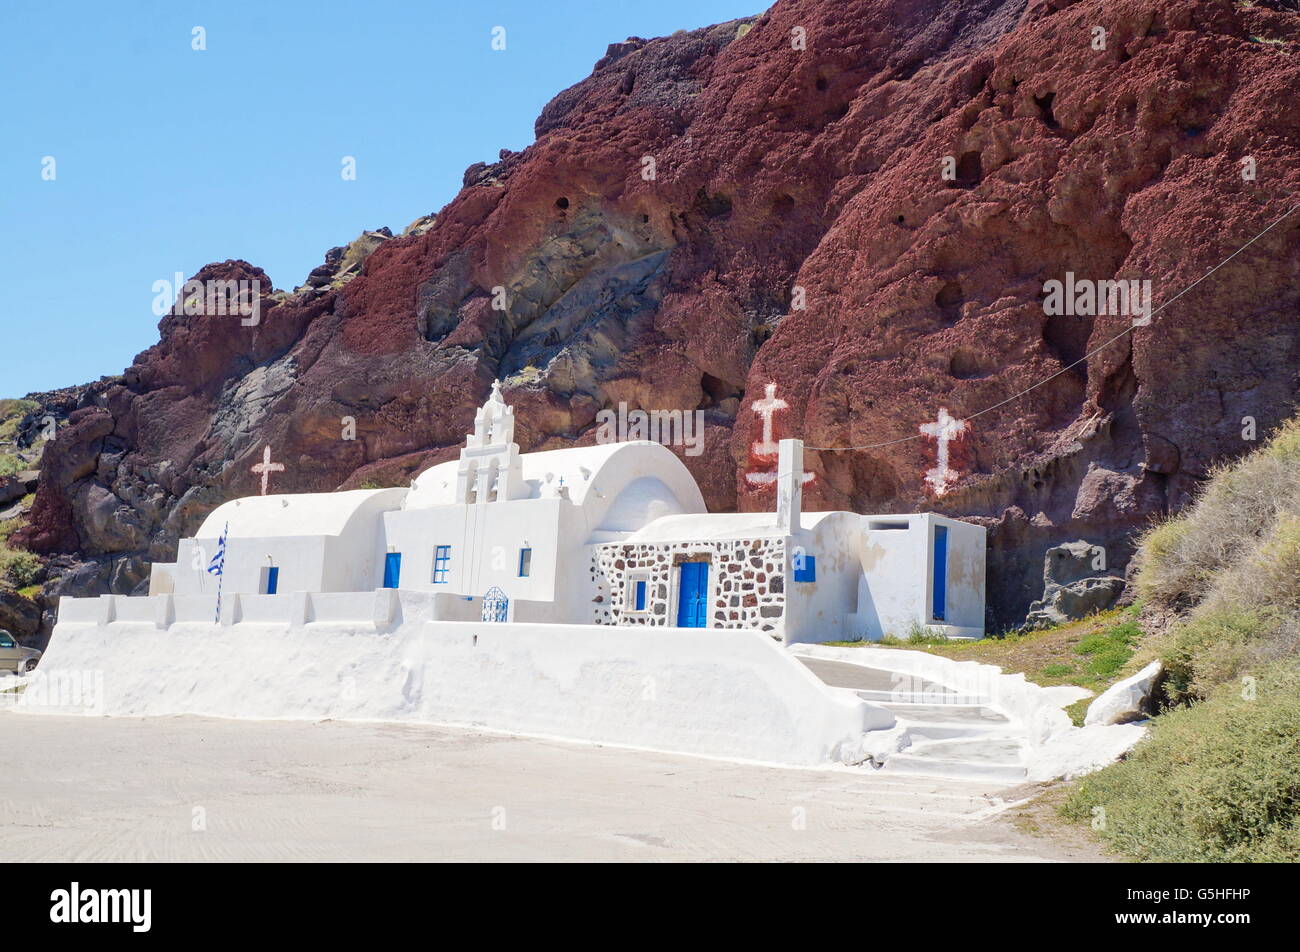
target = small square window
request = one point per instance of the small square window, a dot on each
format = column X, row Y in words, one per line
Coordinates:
column 807, row 572
column 638, row 593
column 525, row 562
column 441, row 563
column 269, row 582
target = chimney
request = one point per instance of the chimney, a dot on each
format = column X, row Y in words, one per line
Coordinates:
column 789, row 484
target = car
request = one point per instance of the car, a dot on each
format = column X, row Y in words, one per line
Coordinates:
column 14, row 657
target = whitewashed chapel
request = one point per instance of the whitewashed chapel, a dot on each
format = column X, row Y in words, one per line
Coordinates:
column 613, row 534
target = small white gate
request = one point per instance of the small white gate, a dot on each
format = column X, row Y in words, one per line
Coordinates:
column 495, row 605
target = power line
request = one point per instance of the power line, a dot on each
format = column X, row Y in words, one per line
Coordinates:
column 1084, row 358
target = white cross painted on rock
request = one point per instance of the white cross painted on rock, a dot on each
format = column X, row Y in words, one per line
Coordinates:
column 944, row 430
column 766, row 408
column 266, row 468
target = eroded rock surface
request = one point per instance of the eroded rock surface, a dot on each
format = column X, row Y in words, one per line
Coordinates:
column 716, row 211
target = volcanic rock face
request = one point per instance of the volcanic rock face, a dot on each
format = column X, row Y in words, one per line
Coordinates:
column 859, row 202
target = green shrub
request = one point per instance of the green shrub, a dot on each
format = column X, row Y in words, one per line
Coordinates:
column 1181, row 559
column 20, row 568
column 1218, row 779
column 11, row 414
column 1215, row 782
column 1211, row 649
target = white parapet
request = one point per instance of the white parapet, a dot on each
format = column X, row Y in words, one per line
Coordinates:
column 385, row 656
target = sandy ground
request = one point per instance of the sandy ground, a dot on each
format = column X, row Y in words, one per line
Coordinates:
column 123, row 789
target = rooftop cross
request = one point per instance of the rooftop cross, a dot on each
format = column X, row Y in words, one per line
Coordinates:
column 943, row 430
column 266, row 468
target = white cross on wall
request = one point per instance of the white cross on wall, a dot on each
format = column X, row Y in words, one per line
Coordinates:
column 943, row 430
column 266, row 468
column 766, row 408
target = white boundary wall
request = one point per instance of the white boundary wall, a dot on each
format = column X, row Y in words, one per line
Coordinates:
column 383, row 656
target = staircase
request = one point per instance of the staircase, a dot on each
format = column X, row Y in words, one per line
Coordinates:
column 946, row 733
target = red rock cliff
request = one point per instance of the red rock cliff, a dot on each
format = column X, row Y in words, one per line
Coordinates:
column 797, row 230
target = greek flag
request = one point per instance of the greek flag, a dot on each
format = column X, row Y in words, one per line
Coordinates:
column 218, row 562
column 217, row 567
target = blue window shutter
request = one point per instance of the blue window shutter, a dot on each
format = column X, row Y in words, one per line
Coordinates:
column 392, row 569
column 940, row 599
column 640, row 596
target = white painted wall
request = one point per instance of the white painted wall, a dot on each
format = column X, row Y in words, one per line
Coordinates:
column 819, row 610
column 897, row 580
column 725, row 693
column 967, row 560
column 485, row 541
column 321, row 542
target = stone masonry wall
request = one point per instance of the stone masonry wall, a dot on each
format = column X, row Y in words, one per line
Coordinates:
column 746, row 582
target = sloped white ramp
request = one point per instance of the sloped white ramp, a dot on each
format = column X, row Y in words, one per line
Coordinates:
column 382, row 656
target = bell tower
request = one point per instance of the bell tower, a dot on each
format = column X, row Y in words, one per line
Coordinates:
column 490, row 470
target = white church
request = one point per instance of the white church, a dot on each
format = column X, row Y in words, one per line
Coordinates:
column 581, row 595
column 611, row 535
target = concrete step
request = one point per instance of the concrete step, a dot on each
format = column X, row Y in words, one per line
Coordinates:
column 993, row 757
column 951, row 734
column 948, row 721
column 945, row 713
column 942, row 696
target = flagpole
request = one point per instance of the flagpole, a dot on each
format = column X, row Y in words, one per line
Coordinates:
column 220, row 562
column 220, row 579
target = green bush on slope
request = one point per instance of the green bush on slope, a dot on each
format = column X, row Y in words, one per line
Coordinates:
column 1218, row 779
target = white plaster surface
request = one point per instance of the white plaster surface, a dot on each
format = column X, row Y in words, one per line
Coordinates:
column 1123, row 700
column 1082, row 750
column 723, row 693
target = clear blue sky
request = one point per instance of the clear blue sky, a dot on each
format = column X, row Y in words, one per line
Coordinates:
column 167, row 158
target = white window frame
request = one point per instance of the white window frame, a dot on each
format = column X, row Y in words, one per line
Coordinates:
column 629, row 593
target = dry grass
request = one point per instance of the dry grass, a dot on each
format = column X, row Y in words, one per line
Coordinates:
column 1182, row 559
column 1218, row 779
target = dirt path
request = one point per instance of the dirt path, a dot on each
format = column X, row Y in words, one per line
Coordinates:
column 136, row 789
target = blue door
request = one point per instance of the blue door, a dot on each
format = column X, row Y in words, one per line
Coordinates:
column 392, row 569
column 940, row 572
column 693, row 595
column 272, row 579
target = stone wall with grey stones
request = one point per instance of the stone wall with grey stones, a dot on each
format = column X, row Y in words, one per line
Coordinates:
column 746, row 582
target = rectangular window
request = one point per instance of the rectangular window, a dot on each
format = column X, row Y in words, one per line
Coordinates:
column 270, row 579
column 638, row 593
column 441, row 563
column 525, row 562
column 807, row 572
